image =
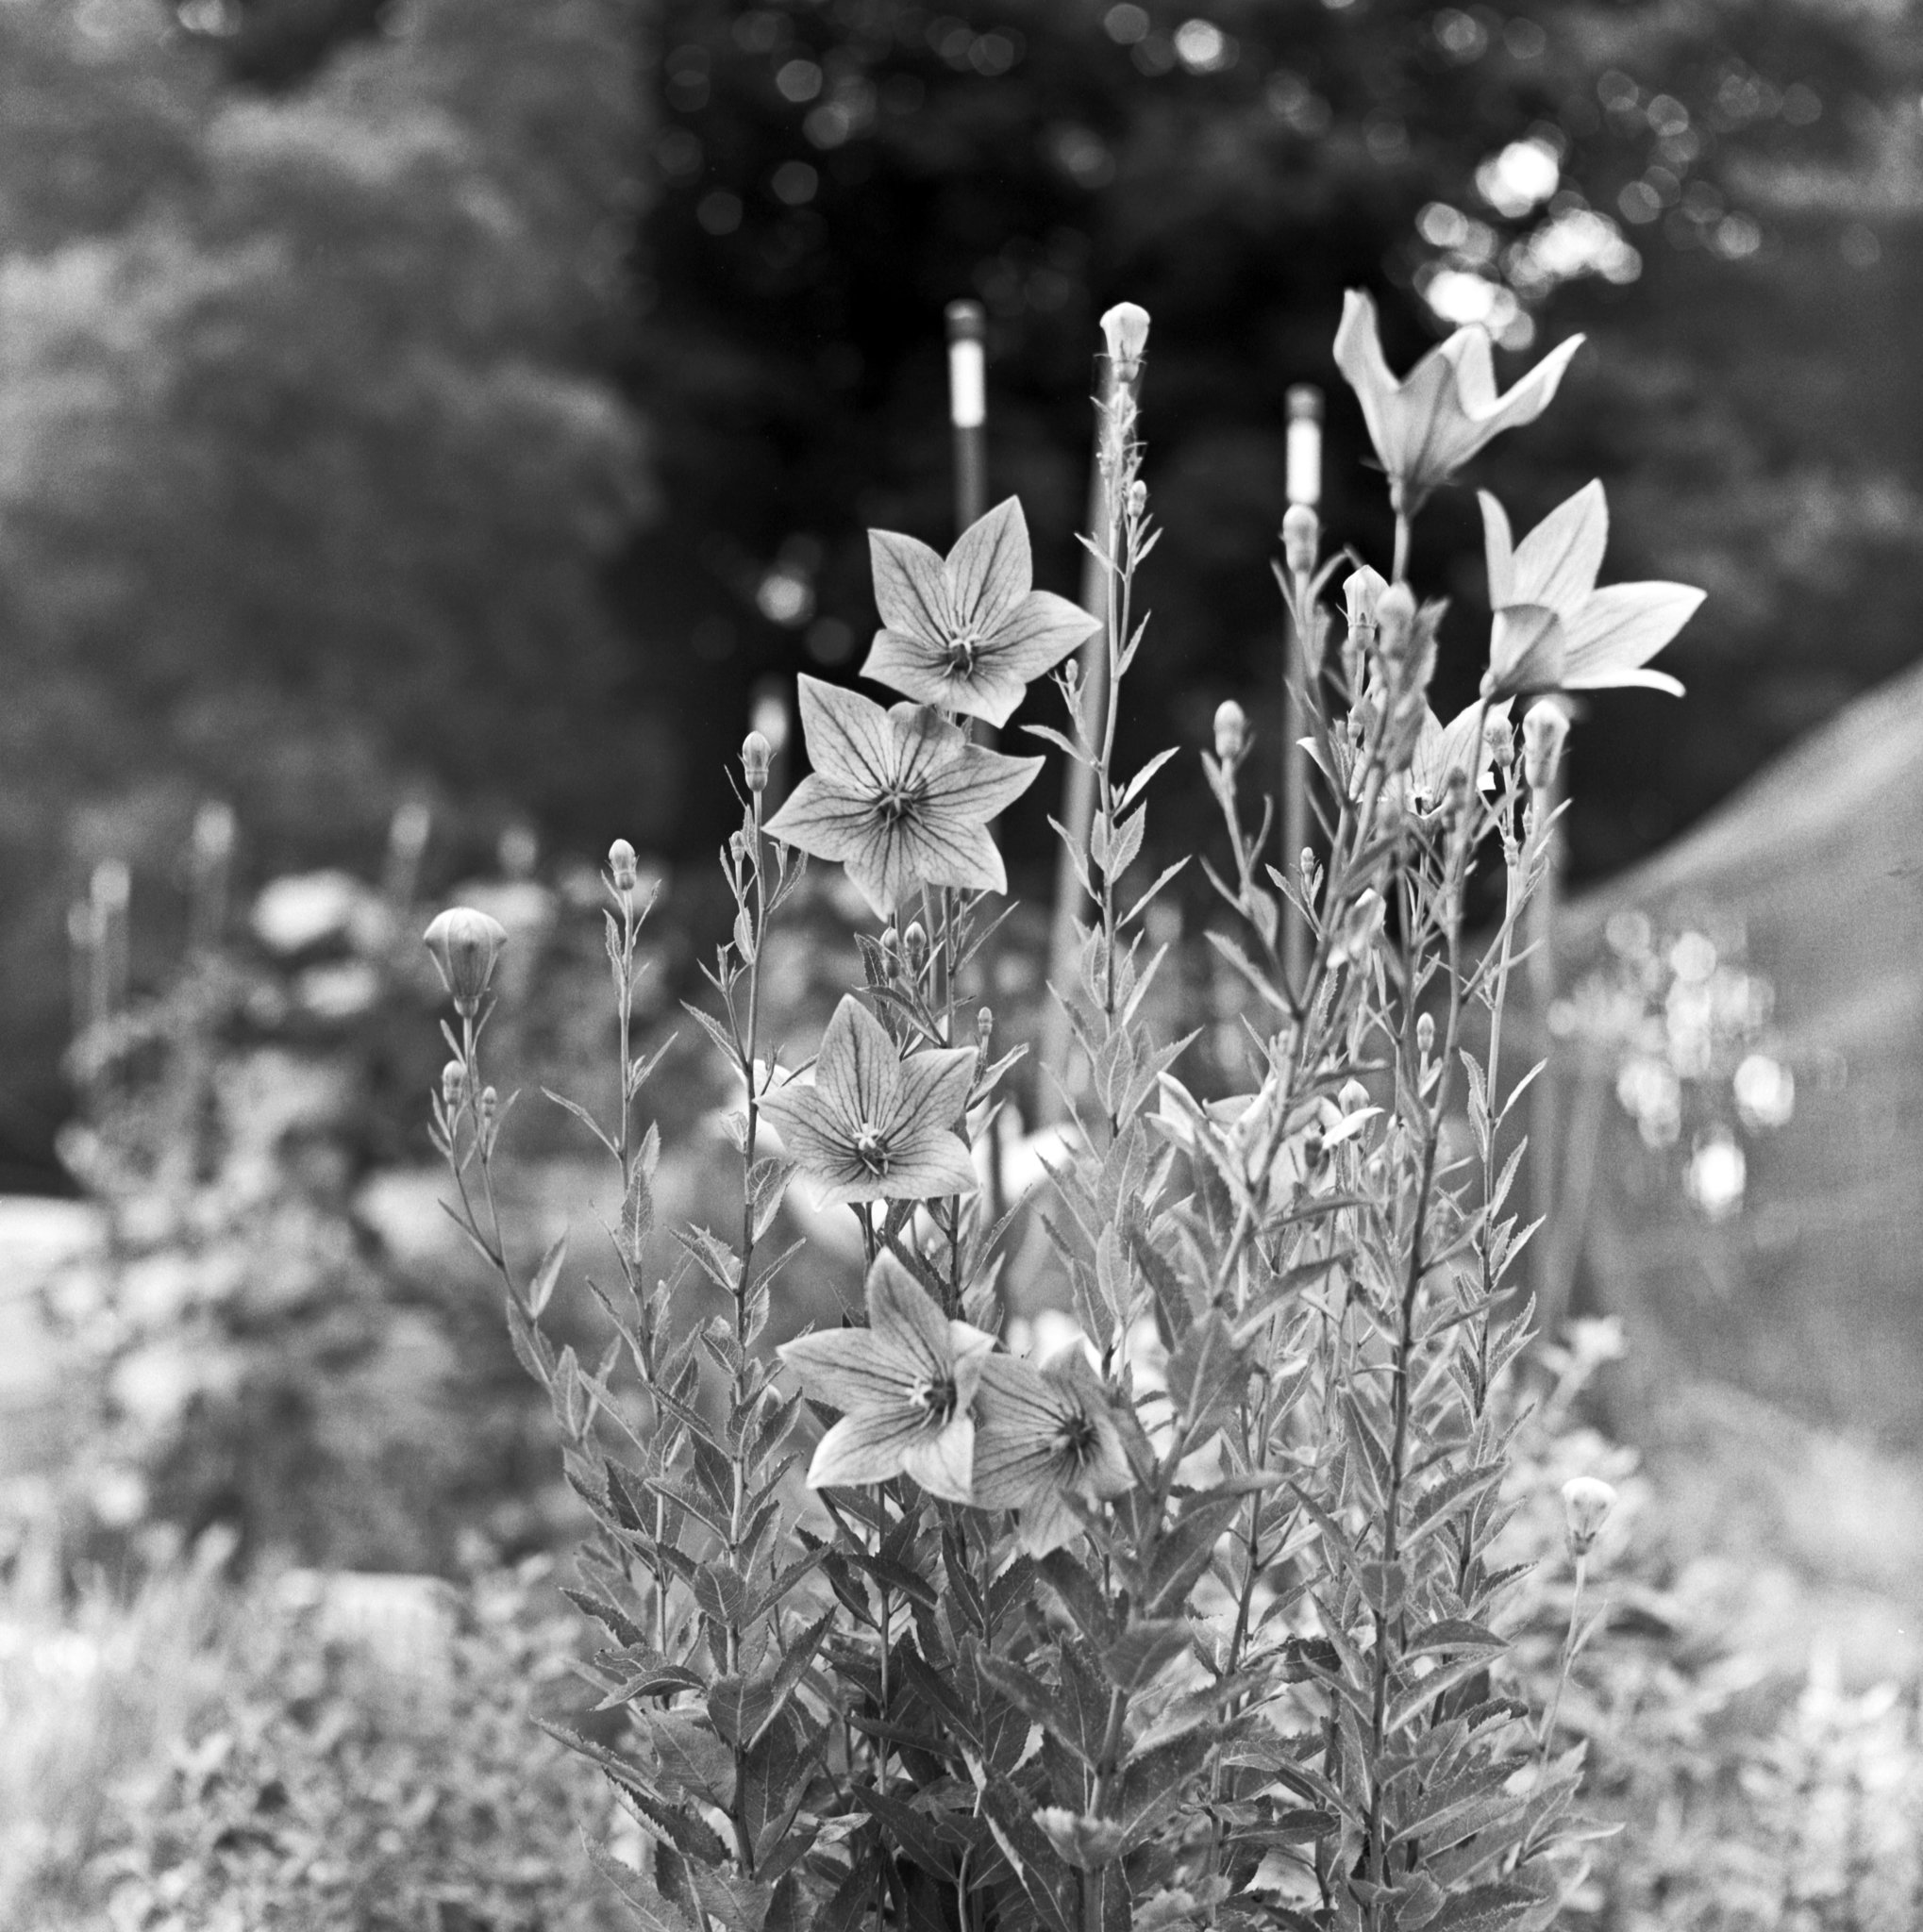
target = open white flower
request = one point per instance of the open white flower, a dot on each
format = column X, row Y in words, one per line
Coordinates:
column 904, row 1385
column 1554, row 629
column 969, row 632
column 1428, row 426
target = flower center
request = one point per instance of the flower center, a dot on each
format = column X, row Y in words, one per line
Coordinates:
column 936, row 1400
column 871, row 1150
column 896, row 804
column 1078, row 1438
column 962, row 652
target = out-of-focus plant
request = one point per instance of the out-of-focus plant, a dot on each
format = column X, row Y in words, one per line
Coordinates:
column 1683, row 1028
column 1202, row 1620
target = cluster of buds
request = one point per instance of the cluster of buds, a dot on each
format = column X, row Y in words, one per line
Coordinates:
column 465, row 945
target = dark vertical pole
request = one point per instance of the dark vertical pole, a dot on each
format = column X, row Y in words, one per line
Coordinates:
column 1305, row 492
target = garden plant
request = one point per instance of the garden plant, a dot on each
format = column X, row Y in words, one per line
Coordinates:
column 1201, row 1621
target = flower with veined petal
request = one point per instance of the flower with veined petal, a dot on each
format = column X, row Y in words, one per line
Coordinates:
column 899, row 797
column 1554, row 629
column 875, row 1126
column 969, row 632
column 905, row 1386
column 1444, row 749
column 1429, row 425
column 1047, row 1441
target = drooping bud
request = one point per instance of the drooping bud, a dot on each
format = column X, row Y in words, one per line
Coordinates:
column 465, row 945
column 1545, row 730
column 757, row 756
column 1586, row 1503
column 1232, row 731
column 624, row 868
column 1125, row 328
column 1302, row 538
column 914, row 951
column 453, row 1086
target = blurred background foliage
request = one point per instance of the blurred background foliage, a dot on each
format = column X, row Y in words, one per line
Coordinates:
column 475, row 399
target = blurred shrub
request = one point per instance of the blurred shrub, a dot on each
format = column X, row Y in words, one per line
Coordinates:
column 346, row 1755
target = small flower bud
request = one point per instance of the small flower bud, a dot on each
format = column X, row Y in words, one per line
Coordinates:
column 1125, row 328
column 1544, row 729
column 1424, row 1033
column 914, row 951
column 890, row 943
column 1302, row 538
column 490, row 1108
column 1351, row 1097
column 1586, row 1503
column 623, row 867
column 757, row 755
column 984, row 1029
column 1361, row 592
column 453, row 1086
column 1394, row 621
column 1305, row 862
column 1232, row 731
column 465, row 945
column 1138, row 497
column 1499, row 744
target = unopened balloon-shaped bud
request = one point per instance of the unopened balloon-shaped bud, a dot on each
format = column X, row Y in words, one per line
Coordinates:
column 490, row 1108
column 1125, row 329
column 1395, row 621
column 1361, row 593
column 984, row 1028
column 1351, row 1097
column 1232, row 731
column 1586, row 1503
column 1424, row 1033
column 1138, row 499
column 1302, row 538
column 1545, row 730
column 1499, row 742
column 453, row 1086
column 465, row 945
column 757, row 756
column 624, row 868
column 914, row 951
column 1305, row 863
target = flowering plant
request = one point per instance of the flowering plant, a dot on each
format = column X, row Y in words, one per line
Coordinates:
column 1198, row 1622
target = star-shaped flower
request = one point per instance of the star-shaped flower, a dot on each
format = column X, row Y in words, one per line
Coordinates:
column 1047, row 1441
column 875, row 1126
column 1554, row 629
column 971, row 632
column 1444, row 749
column 899, row 797
column 905, row 1384
column 1429, row 425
